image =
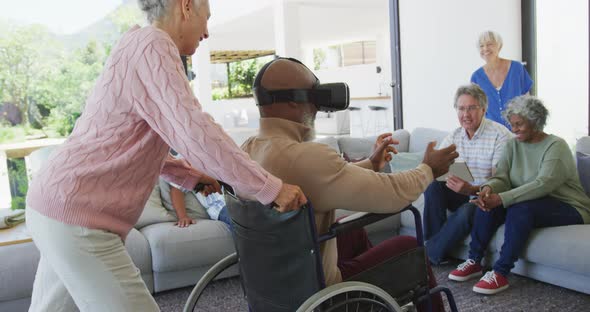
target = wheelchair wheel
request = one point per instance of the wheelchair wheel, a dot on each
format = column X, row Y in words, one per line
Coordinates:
column 213, row 272
column 350, row 296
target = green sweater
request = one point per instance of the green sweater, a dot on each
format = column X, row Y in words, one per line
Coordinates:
column 528, row 171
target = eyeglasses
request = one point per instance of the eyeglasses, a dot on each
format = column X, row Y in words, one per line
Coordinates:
column 468, row 109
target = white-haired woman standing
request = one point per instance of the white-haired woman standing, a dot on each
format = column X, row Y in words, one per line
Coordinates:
column 536, row 185
column 85, row 201
column 501, row 79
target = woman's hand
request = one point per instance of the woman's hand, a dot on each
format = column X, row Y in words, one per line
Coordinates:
column 184, row 221
column 486, row 200
column 290, row 198
column 381, row 151
column 493, row 201
column 460, row 186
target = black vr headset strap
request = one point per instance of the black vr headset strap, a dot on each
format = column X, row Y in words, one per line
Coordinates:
column 292, row 95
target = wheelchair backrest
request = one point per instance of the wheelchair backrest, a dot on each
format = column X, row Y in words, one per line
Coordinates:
column 279, row 258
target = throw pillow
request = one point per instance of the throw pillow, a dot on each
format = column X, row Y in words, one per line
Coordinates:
column 584, row 170
column 405, row 161
column 153, row 211
column 194, row 209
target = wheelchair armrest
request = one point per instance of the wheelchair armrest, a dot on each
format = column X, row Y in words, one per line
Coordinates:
column 361, row 219
column 357, row 220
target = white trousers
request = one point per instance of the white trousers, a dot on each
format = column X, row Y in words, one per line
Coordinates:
column 84, row 268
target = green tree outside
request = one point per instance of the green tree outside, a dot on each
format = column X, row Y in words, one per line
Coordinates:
column 20, row 54
column 242, row 75
column 42, row 78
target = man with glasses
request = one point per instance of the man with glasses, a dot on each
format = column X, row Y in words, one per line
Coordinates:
column 479, row 143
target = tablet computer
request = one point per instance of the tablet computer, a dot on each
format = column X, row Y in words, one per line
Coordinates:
column 459, row 169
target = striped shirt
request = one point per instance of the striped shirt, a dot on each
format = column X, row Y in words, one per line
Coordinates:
column 482, row 152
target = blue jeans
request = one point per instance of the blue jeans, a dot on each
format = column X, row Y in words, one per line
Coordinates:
column 224, row 217
column 520, row 220
column 440, row 232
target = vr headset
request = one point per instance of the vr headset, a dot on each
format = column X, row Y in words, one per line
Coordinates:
column 328, row 97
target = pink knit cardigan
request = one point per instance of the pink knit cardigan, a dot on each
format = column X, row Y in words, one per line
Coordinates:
column 141, row 106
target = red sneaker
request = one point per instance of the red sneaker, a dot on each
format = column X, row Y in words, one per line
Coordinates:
column 491, row 283
column 466, row 271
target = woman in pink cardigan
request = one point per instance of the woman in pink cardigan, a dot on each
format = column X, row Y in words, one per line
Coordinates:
column 85, row 201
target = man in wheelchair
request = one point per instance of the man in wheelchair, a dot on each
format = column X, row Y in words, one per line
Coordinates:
column 289, row 95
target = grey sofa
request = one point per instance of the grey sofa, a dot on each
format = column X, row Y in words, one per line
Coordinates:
column 555, row 255
column 170, row 257
column 167, row 256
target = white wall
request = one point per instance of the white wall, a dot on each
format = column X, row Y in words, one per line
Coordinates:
column 315, row 24
column 323, row 26
column 562, row 66
column 363, row 80
column 233, row 113
column 241, row 33
column 438, row 52
column 345, row 23
column 343, row 26
column 239, row 118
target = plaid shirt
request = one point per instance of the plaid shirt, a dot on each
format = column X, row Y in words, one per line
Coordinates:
column 482, row 152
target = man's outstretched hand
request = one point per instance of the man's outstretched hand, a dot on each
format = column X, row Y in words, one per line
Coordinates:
column 382, row 151
column 439, row 160
column 290, row 198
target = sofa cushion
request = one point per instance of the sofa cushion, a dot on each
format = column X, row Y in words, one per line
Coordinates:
column 153, row 211
column 18, row 266
column 176, row 249
column 421, row 136
column 356, row 149
column 194, row 209
column 584, row 170
column 561, row 247
column 331, row 142
column 403, row 136
column 407, row 219
column 405, row 161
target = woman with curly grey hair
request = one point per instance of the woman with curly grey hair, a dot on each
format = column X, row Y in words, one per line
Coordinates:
column 84, row 202
column 536, row 184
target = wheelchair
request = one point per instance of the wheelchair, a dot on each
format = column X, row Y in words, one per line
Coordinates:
column 278, row 256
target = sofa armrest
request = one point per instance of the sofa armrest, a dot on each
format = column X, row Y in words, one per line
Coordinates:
column 583, row 145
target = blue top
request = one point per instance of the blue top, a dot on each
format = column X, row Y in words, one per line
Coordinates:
column 517, row 82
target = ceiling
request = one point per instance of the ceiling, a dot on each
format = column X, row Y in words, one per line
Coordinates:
column 320, row 22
